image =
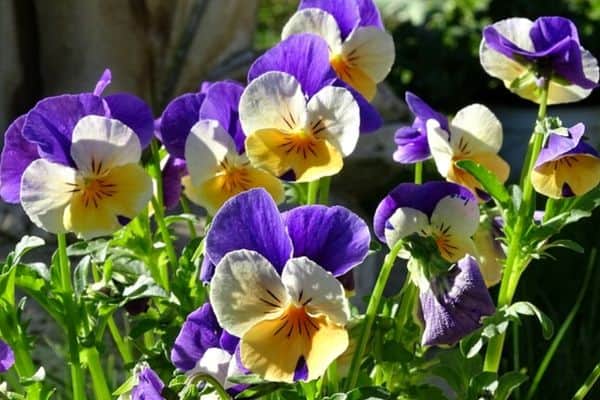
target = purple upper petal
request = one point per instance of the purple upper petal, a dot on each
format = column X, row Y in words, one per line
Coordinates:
column 423, row 112
column 50, row 123
column 16, row 156
column 199, row 332
column 249, row 221
column 7, row 357
column 421, row 197
column 221, row 103
column 547, row 31
column 370, row 120
column 412, row 146
column 305, row 56
column 454, row 304
column 103, row 82
column 228, row 342
column 149, row 386
column 345, row 12
column 369, row 14
column 133, row 112
column 207, row 269
column 333, row 237
column 558, row 145
column 174, row 170
column 177, row 120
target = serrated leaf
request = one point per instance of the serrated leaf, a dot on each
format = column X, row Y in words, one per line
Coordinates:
column 490, row 183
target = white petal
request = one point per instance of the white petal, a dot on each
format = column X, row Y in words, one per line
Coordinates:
column 457, row 215
column 311, row 286
column 316, row 21
column 404, row 222
column 245, row 290
column 371, row 50
column 206, row 147
column 214, row 362
column 439, row 145
column 558, row 94
column 475, row 129
column 339, row 114
column 45, row 192
column 497, row 64
column 100, row 142
column 274, row 100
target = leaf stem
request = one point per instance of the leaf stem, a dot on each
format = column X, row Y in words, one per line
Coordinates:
column 419, row 172
column 324, row 187
column 92, row 359
column 588, row 384
column 313, row 190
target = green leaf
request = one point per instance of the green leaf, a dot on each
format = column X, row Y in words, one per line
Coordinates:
column 127, row 386
column 171, row 219
column 81, row 273
column 26, row 244
column 471, row 345
column 526, row 308
column 488, row 180
column 567, row 244
column 7, row 285
column 507, row 383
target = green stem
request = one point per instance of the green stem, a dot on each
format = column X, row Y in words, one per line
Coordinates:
column 185, row 206
column 515, row 260
column 122, row 345
column 552, row 206
column 324, row 190
column 169, row 246
column 313, row 190
column 214, row 383
column 419, row 172
column 588, row 384
column 70, row 318
column 92, row 359
column 371, row 313
column 24, row 366
column 564, row 327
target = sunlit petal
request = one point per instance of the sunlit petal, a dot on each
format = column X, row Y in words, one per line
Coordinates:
column 475, row 129
column 316, row 21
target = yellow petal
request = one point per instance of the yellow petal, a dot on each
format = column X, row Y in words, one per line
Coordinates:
column 453, row 247
column 308, row 157
column 493, row 162
column 354, row 76
column 580, row 172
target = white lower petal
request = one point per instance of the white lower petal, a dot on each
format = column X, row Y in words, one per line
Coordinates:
column 475, row 129
column 214, row 362
column 244, row 290
column 559, row 94
column 315, row 21
column 371, row 50
column 404, row 222
column 457, row 215
column 333, row 113
column 312, row 287
column 439, row 145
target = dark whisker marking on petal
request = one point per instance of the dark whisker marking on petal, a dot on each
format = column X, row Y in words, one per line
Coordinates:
column 312, row 323
column 289, row 125
column 299, row 328
column 446, row 229
column 316, row 124
column 301, row 294
column 99, row 167
column 281, row 328
column 292, row 117
column 321, row 129
column 306, row 327
column 290, row 331
column 312, row 151
column 307, row 301
column 268, row 302
column 273, row 296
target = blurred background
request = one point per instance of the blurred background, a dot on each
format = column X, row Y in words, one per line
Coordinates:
column 158, row 49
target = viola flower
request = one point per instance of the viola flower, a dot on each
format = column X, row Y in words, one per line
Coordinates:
column 148, row 386
column 444, row 211
column 7, row 357
column 306, row 58
column 474, row 134
column 453, row 303
column 204, row 130
column 412, row 141
column 361, row 52
column 203, row 347
column 523, row 53
column 567, row 166
column 295, row 256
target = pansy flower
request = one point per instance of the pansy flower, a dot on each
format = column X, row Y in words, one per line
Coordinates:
column 567, row 166
column 204, row 130
column 361, row 52
column 203, row 347
column 453, row 303
column 473, row 134
column 148, row 385
column 85, row 177
column 278, row 272
column 523, row 53
column 444, row 211
column 412, row 140
column 7, row 357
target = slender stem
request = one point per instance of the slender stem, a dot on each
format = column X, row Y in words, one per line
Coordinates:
column 516, row 355
column 185, row 206
column 419, row 172
column 24, row 365
column 515, row 260
column 324, row 190
column 564, row 327
column 371, row 313
column 77, row 378
column 313, row 190
column 169, row 246
column 588, row 384
column 223, row 395
column 122, row 345
column 552, row 206
column 92, row 359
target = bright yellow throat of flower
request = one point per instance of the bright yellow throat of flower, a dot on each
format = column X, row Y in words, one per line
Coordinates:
column 347, row 70
column 232, row 178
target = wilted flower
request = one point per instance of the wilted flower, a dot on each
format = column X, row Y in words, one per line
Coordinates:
column 204, row 130
column 360, row 51
column 474, row 134
column 524, row 53
column 453, row 303
column 567, row 166
column 412, row 141
column 7, row 357
column 444, row 211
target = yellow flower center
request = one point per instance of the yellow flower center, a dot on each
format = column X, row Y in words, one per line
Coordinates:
column 234, row 178
column 296, row 322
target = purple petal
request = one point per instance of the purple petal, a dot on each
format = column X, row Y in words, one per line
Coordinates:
column 301, row 372
column 345, row 12
column 174, row 170
column 558, row 145
column 221, row 103
column 149, row 386
column 228, row 342
column 412, row 146
column 305, row 56
column 50, row 123
column 370, row 120
column 423, row 112
column 104, row 81
column 133, row 112
column 547, row 31
column 7, row 357
column 454, row 304
column 199, row 332
column 16, row 156
column 333, row 237
column 177, row 120
column 257, row 225
column 421, row 197
column 157, row 132
column 369, row 14
column 207, row 270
